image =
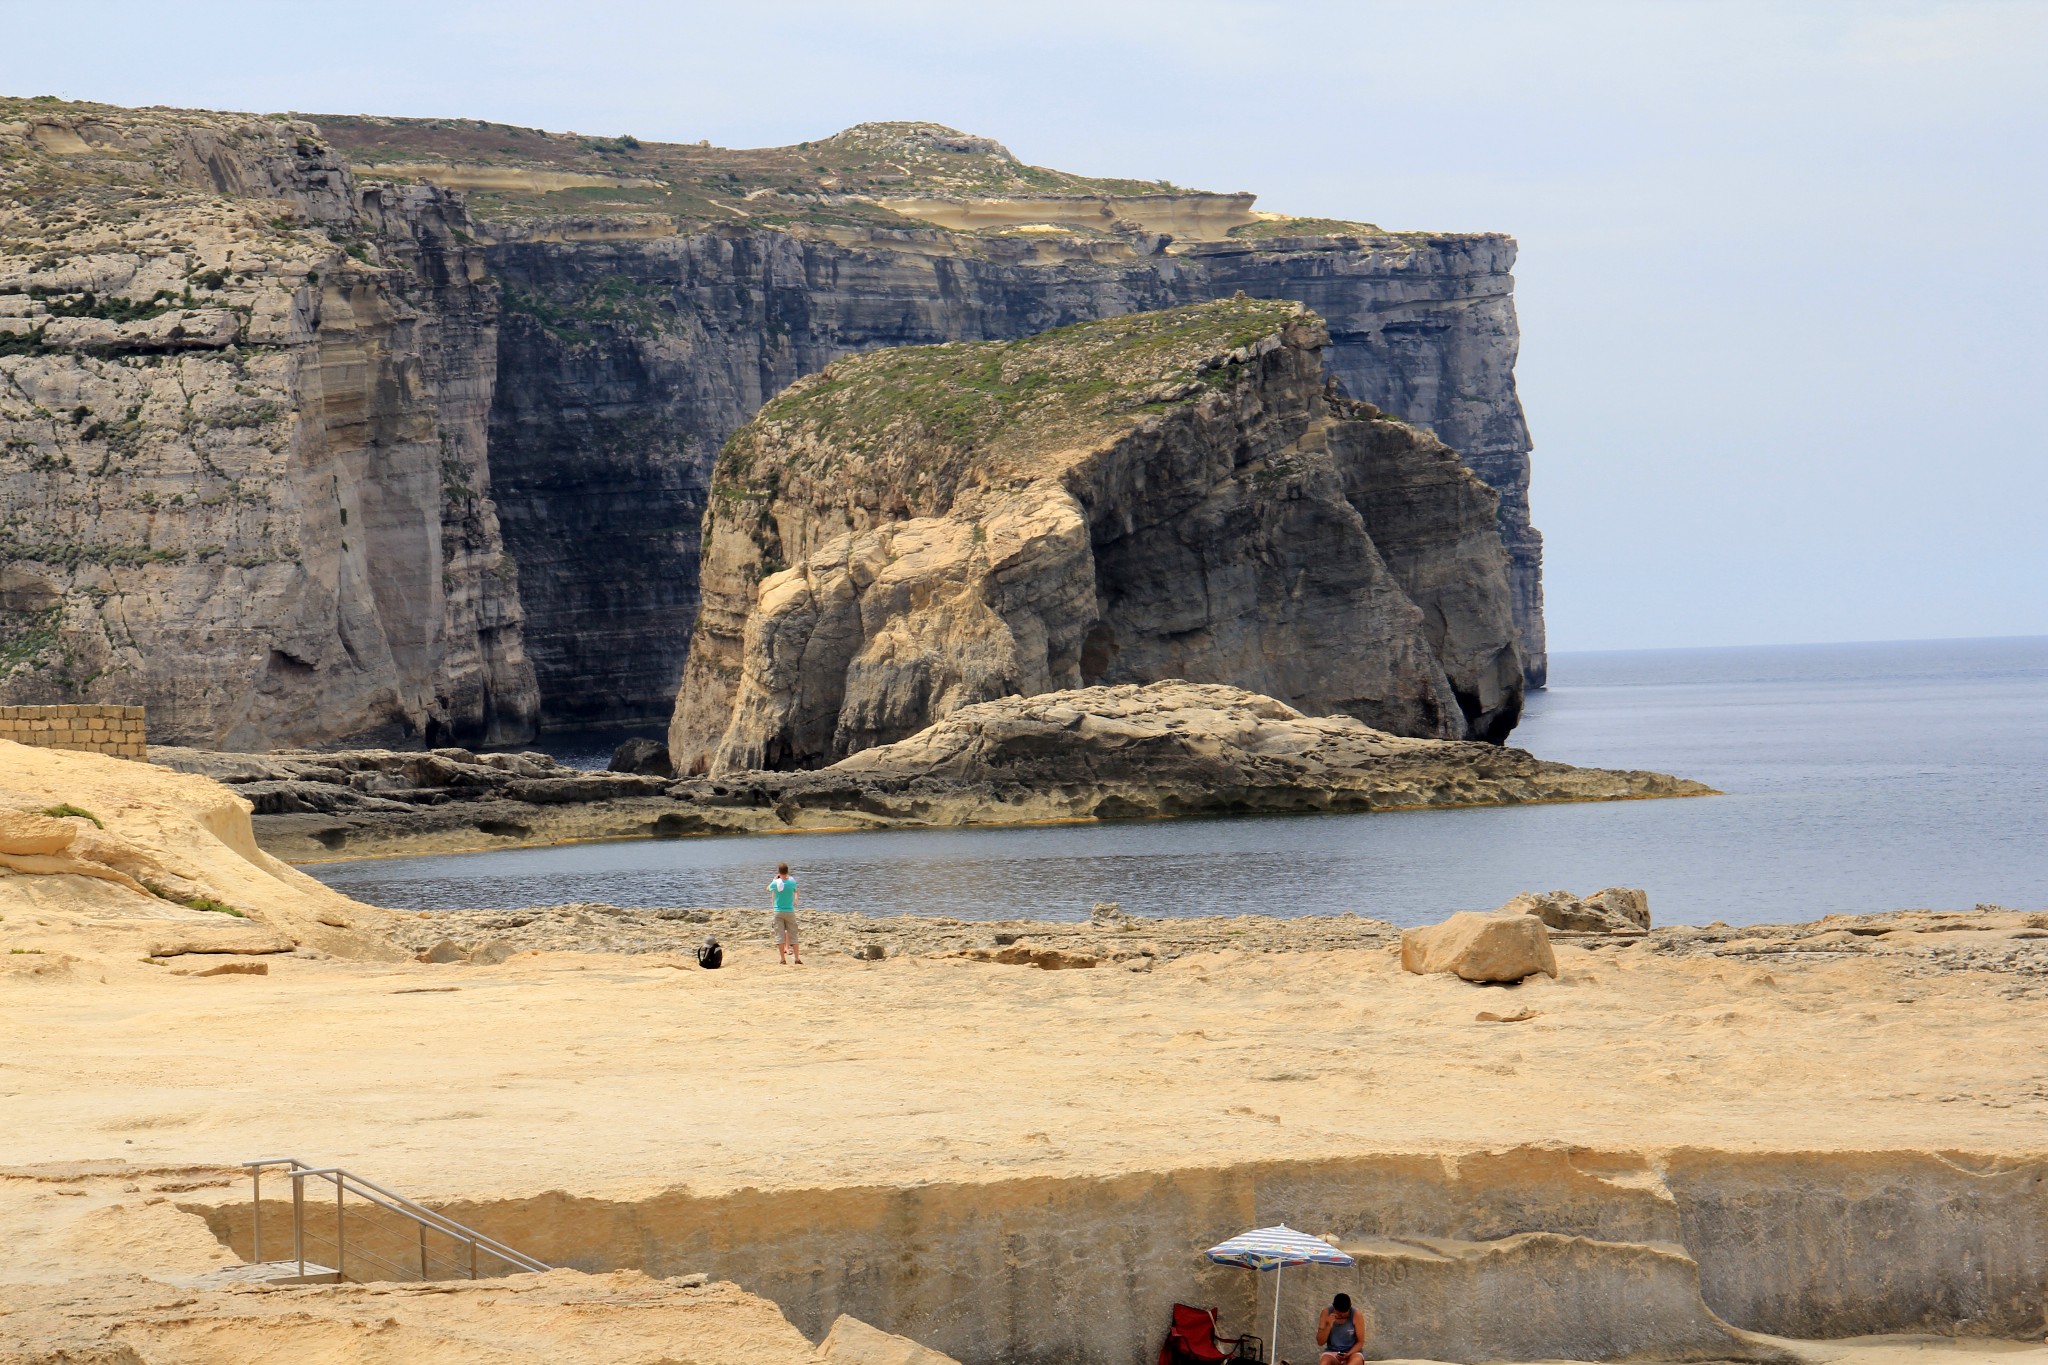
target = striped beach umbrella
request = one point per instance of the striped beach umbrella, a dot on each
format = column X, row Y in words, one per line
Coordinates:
column 1274, row 1249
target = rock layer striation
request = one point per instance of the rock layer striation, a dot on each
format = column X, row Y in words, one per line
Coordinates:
column 656, row 295
column 630, row 358
column 243, row 474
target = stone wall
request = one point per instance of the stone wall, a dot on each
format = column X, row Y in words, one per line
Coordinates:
column 115, row 730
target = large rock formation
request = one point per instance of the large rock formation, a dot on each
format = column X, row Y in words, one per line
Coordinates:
column 243, row 401
column 352, row 271
column 1094, row 754
column 1168, row 495
column 114, row 857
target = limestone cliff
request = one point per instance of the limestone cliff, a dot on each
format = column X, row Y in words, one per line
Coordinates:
column 243, row 474
column 458, row 327
column 1178, row 494
column 657, row 294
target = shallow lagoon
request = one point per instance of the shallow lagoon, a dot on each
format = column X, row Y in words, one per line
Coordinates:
column 1859, row 778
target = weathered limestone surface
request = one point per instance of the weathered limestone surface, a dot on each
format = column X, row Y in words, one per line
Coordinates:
column 560, row 1318
column 1616, row 910
column 1536, row 1252
column 243, row 477
column 1170, row 495
column 853, row 1342
column 1097, row 753
column 311, row 805
column 1163, row 749
column 1537, row 1295
column 161, row 863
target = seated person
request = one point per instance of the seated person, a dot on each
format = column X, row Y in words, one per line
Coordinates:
column 1341, row 1333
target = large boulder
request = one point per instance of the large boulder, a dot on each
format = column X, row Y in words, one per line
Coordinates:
column 1164, row 495
column 1629, row 903
column 1490, row 946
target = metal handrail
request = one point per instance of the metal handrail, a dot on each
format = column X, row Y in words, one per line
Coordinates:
column 420, row 1213
column 347, row 1182
column 399, row 1204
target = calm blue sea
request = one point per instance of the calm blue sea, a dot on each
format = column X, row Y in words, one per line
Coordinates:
column 1858, row 778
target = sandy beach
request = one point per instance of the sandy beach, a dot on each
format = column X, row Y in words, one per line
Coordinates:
column 643, row 1072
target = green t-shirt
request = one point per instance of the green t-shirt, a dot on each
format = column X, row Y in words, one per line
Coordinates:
column 785, row 893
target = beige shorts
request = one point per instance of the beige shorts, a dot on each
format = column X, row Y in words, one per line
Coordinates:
column 785, row 925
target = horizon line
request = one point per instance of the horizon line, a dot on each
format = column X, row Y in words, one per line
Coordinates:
column 1802, row 644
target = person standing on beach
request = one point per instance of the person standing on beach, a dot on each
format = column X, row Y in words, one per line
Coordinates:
column 784, row 887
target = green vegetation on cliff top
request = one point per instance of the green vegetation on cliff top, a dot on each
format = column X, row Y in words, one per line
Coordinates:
column 1305, row 227
column 1058, row 389
column 826, row 182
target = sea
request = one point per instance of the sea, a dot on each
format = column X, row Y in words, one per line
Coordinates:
column 1856, row 778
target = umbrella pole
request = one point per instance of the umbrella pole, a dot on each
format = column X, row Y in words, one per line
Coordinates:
column 1278, row 1271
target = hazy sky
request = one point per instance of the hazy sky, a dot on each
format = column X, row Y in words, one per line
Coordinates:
column 1782, row 280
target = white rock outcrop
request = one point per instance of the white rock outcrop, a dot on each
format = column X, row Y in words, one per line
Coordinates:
column 1165, row 748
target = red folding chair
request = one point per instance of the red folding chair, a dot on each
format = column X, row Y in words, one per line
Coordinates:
column 1192, row 1340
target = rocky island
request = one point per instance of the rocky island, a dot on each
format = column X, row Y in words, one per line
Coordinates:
column 1179, row 494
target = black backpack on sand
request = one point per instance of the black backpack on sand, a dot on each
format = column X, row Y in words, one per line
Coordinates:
column 711, row 957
